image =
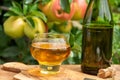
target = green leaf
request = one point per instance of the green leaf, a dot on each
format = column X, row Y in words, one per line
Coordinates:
column 16, row 7
column 78, row 37
column 10, row 51
column 22, row 44
column 76, row 48
column 1, row 28
column 25, row 9
column 4, row 40
column 33, row 7
column 9, row 13
column 36, row 1
column 40, row 15
column 30, row 22
column 45, row 1
column 65, row 5
column 27, row 1
column 16, row 11
column 71, row 39
column 74, row 30
column 16, row 4
column 0, row 11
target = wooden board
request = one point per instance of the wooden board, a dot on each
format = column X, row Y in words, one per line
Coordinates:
column 5, row 75
column 68, row 72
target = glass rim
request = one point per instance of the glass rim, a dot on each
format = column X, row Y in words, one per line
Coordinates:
column 49, row 34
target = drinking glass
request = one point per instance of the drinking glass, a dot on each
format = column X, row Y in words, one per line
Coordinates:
column 50, row 50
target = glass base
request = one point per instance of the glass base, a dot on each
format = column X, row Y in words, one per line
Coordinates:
column 49, row 69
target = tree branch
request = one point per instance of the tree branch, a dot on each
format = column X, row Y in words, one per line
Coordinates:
column 4, row 8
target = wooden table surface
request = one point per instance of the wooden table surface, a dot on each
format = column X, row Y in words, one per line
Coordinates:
column 68, row 72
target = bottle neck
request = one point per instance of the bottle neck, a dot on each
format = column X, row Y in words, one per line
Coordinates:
column 98, row 11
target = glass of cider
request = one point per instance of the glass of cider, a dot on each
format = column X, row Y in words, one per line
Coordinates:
column 50, row 50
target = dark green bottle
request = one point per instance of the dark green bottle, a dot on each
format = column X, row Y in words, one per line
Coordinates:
column 97, row 37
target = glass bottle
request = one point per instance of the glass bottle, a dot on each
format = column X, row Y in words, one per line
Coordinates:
column 97, row 37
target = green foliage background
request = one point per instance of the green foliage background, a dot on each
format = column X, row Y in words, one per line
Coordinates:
column 18, row 49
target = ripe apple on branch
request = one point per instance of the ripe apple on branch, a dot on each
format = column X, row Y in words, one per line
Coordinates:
column 24, row 20
column 63, row 10
column 27, row 20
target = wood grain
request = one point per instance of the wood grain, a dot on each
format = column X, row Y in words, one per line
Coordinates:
column 5, row 75
column 67, row 72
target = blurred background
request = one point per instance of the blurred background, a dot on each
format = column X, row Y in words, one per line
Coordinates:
column 15, row 48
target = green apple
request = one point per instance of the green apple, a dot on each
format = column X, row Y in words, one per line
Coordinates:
column 14, row 26
column 64, row 27
column 40, row 27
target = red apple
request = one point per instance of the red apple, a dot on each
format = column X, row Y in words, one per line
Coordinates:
column 80, row 9
column 47, row 10
column 54, row 12
column 59, row 13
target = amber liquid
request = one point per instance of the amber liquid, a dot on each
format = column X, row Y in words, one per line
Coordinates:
column 50, row 54
column 96, row 48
